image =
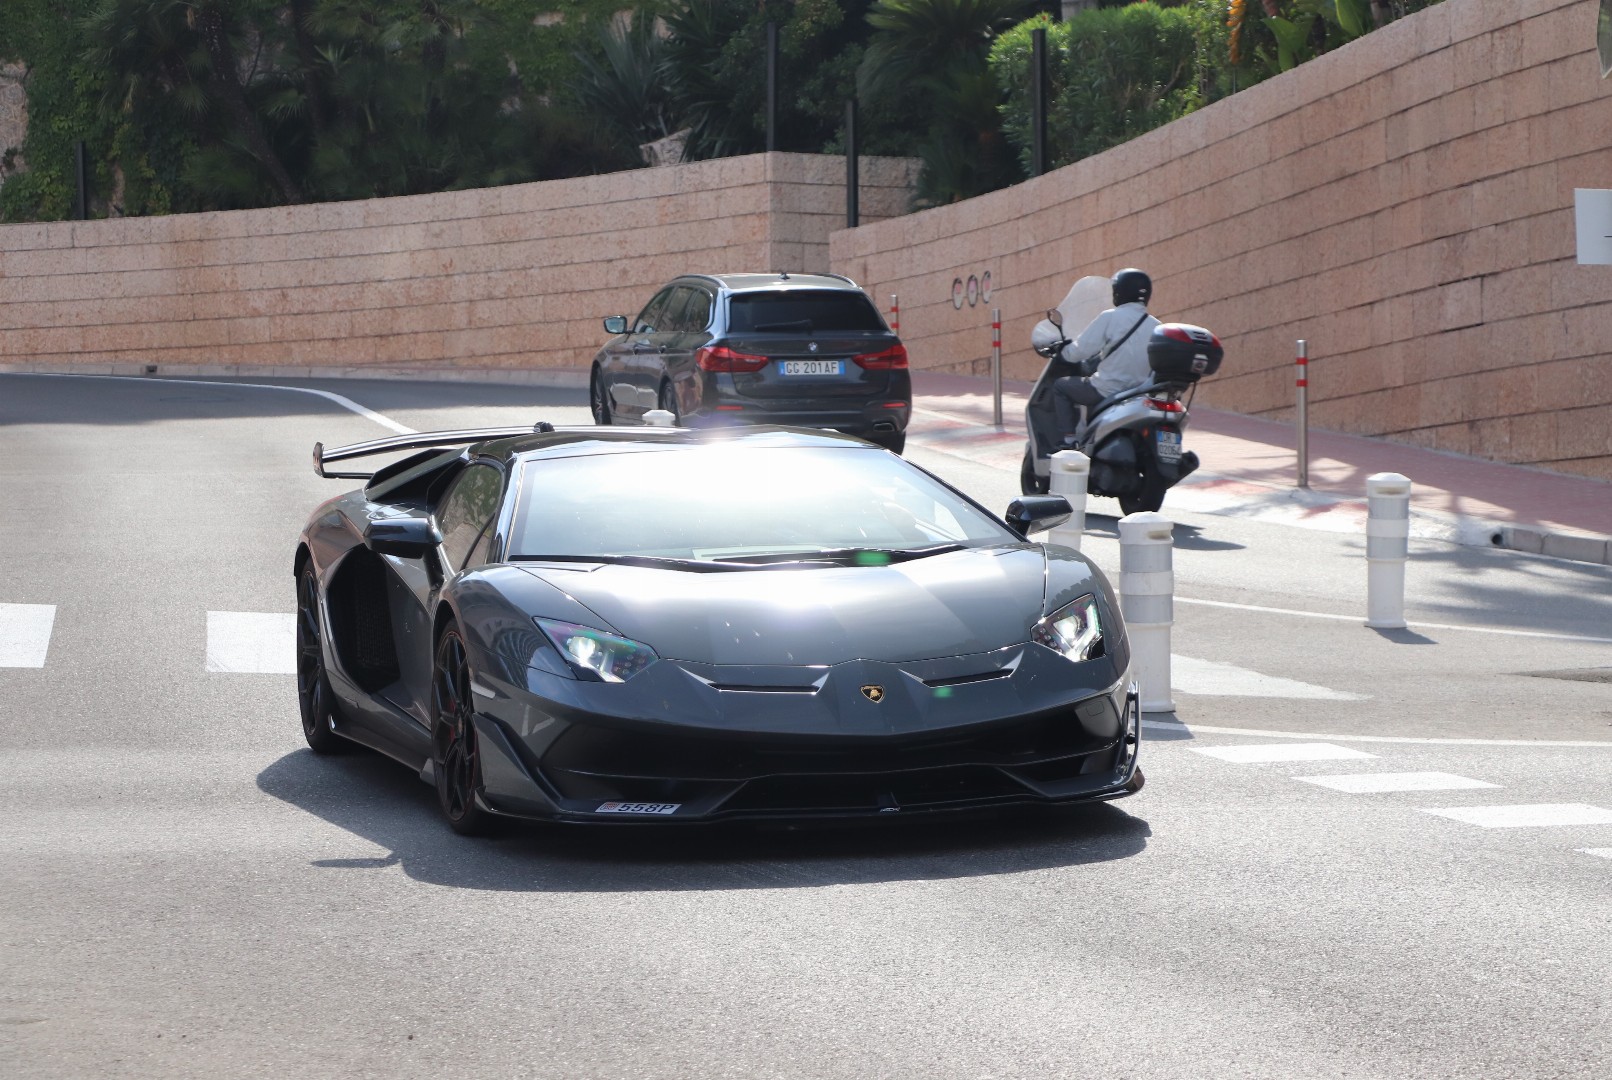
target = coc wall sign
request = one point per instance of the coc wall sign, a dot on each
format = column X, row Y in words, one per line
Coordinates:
column 976, row 289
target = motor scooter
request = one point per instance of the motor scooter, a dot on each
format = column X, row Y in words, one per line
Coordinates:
column 1134, row 437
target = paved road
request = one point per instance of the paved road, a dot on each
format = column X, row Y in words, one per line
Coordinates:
column 189, row 892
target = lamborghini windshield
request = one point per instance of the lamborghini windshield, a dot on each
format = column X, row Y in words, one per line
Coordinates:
column 751, row 504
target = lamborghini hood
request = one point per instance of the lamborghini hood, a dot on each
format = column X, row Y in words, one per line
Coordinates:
column 968, row 601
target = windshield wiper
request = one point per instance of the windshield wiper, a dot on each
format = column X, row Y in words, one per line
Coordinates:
column 857, row 556
column 803, row 325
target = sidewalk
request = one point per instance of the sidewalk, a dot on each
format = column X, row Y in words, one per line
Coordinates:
column 1248, row 471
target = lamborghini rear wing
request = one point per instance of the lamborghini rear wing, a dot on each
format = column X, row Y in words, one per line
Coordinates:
column 423, row 440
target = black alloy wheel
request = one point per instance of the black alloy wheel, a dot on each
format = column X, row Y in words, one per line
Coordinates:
column 598, row 399
column 314, row 699
column 455, row 760
column 667, row 399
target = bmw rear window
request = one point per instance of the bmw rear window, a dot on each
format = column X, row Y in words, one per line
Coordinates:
column 803, row 311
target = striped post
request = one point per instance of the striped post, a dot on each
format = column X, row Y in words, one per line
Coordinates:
column 895, row 314
column 1301, row 379
column 996, row 367
column 1147, row 600
column 1387, row 549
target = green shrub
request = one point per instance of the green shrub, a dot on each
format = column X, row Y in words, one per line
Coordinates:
column 1113, row 73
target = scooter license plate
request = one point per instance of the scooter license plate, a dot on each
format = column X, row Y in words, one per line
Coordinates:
column 1168, row 444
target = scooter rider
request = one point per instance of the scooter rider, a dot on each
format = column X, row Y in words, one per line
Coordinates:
column 1111, row 352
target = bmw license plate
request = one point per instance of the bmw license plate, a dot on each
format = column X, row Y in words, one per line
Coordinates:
column 1169, row 445
column 811, row 367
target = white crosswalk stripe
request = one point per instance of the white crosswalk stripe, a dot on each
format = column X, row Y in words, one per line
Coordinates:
column 251, row 642
column 1265, row 752
column 1372, row 783
column 1534, row 815
column 1211, row 678
column 1603, row 852
column 25, row 634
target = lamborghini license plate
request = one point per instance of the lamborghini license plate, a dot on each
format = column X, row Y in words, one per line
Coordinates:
column 658, row 808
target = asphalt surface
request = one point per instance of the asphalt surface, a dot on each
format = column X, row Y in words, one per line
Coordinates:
column 187, row 891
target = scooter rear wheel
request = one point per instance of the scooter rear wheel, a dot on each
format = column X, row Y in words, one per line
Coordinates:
column 1029, row 482
column 1149, row 497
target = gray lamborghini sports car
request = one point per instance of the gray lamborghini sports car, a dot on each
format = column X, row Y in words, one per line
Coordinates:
column 603, row 624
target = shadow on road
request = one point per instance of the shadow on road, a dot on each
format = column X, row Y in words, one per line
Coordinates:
column 1189, row 537
column 386, row 805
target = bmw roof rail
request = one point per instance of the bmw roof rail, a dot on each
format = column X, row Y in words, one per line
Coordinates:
column 422, row 440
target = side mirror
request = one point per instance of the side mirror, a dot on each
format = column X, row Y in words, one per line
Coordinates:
column 616, row 324
column 1055, row 317
column 1037, row 513
column 406, row 538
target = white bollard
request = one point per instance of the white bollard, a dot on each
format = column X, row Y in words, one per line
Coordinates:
column 1387, row 549
column 1147, row 600
column 1070, row 472
column 660, row 418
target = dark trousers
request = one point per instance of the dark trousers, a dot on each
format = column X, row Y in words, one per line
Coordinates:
column 1070, row 396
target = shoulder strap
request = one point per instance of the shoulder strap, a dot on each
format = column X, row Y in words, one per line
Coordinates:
column 1110, row 348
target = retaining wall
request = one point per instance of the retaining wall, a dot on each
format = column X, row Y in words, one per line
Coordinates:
column 1405, row 203
column 506, row 282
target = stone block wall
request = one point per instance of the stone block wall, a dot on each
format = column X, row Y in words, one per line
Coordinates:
column 1404, row 203
column 508, row 281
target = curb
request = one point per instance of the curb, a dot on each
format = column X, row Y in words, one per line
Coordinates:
column 1232, row 496
column 567, row 378
column 1577, row 547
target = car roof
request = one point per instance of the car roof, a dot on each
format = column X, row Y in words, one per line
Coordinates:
column 777, row 281
column 589, row 441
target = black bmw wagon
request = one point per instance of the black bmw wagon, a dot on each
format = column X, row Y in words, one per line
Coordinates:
column 806, row 350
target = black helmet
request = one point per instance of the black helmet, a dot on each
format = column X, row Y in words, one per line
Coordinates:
column 1131, row 284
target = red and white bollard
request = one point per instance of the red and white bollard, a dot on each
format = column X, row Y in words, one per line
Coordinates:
column 895, row 314
column 1301, row 382
column 1071, row 471
column 996, row 367
column 1147, row 600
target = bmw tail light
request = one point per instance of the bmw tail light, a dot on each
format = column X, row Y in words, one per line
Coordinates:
column 722, row 358
column 892, row 358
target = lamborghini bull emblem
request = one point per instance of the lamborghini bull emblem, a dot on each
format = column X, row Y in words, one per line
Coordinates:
column 874, row 694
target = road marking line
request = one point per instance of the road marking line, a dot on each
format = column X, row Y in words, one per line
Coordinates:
column 1534, row 815
column 1603, row 852
column 1211, row 678
column 1245, row 755
column 1176, row 725
column 251, row 641
column 25, row 634
column 345, row 402
column 1421, row 625
column 1372, row 783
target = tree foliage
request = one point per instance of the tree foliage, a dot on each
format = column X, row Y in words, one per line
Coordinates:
column 207, row 104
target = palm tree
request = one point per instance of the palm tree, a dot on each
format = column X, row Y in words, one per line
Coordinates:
column 940, row 47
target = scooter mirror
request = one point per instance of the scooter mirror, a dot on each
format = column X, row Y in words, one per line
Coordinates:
column 1055, row 317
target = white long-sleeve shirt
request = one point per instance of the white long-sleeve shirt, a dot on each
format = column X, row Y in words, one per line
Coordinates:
column 1127, row 365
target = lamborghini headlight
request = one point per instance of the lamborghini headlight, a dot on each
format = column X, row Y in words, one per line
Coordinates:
column 594, row 654
column 1074, row 630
